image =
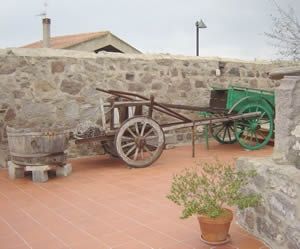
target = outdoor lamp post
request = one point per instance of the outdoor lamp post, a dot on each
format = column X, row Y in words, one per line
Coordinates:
column 199, row 25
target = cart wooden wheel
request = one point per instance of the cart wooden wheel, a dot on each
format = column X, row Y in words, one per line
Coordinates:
column 109, row 148
column 224, row 132
column 139, row 141
column 255, row 133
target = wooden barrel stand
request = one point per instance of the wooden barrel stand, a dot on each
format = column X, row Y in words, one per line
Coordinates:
column 37, row 151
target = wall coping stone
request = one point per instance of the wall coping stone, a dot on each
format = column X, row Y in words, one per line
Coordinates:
column 49, row 52
column 268, row 164
column 279, row 73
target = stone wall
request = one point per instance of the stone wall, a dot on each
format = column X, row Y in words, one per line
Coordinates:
column 277, row 220
column 47, row 86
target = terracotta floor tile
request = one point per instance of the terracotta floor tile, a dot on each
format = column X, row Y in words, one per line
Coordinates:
column 12, row 241
column 246, row 242
column 96, row 227
column 133, row 244
column 153, row 238
column 103, row 203
column 178, row 246
column 197, row 243
column 86, row 244
column 174, row 230
column 49, row 243
column 115, row 239
column 224, row 247
column 5, row 230
column 122, row 223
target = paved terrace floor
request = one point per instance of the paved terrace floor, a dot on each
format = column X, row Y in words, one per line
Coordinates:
column 104, row 204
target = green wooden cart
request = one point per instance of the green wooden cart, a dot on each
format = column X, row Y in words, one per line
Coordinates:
column 253, row 133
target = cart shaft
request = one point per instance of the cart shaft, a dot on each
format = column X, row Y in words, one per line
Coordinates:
column 207, row 121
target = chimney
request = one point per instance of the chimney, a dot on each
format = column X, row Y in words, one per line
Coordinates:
column 46, row 32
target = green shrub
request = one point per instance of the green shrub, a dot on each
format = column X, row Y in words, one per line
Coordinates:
column 208, row 189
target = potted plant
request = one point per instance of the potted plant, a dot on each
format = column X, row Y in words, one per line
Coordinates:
column 207, row 192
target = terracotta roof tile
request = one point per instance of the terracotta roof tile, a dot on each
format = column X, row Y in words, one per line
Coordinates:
column 68, row 40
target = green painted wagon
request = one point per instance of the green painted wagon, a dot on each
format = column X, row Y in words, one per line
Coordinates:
column 252, row 133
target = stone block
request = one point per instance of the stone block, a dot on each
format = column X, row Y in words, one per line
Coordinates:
column 64, row 170
column 136, row 87
column 234, row 72
column 265, row 228
column 15, row 171
column 39, row 175
column 129, row 76
column 283, row 206
column 174, row 72
column 185, row 85
column 180, row 137
column 249, row 218
column 157, row 86
column 199, row 84
column 293, row 237
column 71, row 87
column 57, row 67
column 7, row 68
column 170, row 139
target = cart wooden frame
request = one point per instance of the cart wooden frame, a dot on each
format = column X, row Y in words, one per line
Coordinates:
column 139, row 140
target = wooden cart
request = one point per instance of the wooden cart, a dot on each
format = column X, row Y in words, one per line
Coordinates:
column 252, row 134
column 139, row 140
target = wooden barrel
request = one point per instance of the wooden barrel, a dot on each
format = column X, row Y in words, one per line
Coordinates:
column 28, row 146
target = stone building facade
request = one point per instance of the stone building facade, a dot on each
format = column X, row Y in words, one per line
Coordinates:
column 48, row 86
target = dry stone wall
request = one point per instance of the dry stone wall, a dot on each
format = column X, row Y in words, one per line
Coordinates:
column 47, row 86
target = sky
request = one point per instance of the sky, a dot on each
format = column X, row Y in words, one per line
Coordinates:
column 235, row 28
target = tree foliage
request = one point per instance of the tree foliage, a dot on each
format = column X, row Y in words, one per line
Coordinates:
column 285, row 33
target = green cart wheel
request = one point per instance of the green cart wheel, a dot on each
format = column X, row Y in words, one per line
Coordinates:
column 224, row 132
column 255, row 133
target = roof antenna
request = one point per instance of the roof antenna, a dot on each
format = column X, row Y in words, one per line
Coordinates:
column 44, row 13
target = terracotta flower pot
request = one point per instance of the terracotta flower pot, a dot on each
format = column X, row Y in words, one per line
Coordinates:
column 215, row 229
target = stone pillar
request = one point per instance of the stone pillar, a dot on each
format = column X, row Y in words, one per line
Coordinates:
column 287, row 121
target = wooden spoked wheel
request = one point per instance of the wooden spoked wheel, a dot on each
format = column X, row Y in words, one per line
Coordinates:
column 109, row 148
column 223, row 132
column 139, row 141
column 256, row 132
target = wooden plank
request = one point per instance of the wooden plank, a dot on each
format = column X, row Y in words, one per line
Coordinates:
column 123, row 113
column 94, row 139
column 112, row 116
column 138, row 110
column 208, row 121
column 103, row 118
column 128, row 103
column 151, row 106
